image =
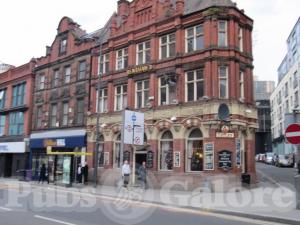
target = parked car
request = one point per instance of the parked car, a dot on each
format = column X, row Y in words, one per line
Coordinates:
column 261, row 157
column 269, row 158
column 284, row 160
column 257, row 157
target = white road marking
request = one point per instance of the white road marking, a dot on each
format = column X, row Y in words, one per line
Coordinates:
column 53, row 220
column 5, row 209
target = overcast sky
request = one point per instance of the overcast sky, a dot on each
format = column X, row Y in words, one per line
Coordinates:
column 27, row 26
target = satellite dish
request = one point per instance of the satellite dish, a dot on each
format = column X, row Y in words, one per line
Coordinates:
column 223, row 112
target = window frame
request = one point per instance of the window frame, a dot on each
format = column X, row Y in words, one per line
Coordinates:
column 63, row 45
column 65, row 114
column 171, row 144
column 82, row 72
column 2, row 125
column 241, row 39
column 123, row 95
column 3, row 99
column 104, row 100
column 39, row 116
column 195, row 82
column 53, row 115
column 143, row 91
column 55, row 79
column 222, row 31
column 242, row 84
column 144, row 52
column 195, row 36
column 80, row 111
column 227, row 82
column 15, row 124
column 67, row 77
column 123, row 59
column 167, row 45
column 19, row 95
column 103, row 64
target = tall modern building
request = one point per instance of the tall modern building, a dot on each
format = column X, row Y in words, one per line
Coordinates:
column 177, row 62
column 263, row 138
column 285, row 98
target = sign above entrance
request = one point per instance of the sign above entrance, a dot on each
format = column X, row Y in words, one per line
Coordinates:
column 55, row 142
column 12, row 147
column 139, row 69
column 133, row 128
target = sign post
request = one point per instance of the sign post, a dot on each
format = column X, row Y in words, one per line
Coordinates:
column 292, row 135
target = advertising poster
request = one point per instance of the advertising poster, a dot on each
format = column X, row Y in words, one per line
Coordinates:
column 209, row 156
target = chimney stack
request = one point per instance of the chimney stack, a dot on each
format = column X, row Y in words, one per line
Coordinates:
column 123, row 6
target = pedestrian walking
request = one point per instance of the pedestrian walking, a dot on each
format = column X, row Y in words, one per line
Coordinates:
column 85, row 173
column 126, row 173
column 49, row 171
column 79, row 173
column 142, row 172
column 42, row 173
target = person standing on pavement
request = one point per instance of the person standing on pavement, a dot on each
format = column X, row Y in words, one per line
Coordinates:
column 126, row 173
column 85, row 172
column 143, row 174
column 79, row 173
column 42, row 173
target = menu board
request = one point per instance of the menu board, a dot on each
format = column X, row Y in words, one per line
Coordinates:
column 150, row 159
column 209, row 156
column 225, row 160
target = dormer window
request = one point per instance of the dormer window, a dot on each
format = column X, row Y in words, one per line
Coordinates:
column 63, row 46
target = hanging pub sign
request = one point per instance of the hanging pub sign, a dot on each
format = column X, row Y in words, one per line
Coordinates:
column 149, row 159
column 225, row 159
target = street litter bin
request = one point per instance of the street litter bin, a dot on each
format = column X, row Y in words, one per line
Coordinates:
column 246, row 178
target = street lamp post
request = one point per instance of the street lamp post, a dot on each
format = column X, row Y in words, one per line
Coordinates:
column 96, row 150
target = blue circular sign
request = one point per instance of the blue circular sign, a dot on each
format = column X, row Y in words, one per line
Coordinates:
column 133, row 117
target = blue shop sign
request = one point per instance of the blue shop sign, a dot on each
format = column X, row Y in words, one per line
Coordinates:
column 73, row 140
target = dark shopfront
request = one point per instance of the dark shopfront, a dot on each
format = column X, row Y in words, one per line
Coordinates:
column 57, row 150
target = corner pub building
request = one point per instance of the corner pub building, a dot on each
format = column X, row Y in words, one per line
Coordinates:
column 180, row 62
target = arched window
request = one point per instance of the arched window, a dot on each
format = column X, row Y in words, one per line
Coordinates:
column 117, row 152
column 166, row 151
column 101, row 151
column 195, row 151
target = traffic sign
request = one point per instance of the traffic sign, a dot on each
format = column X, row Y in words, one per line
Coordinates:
column 292, row 134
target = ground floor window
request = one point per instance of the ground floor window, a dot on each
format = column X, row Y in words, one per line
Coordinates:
column 195, row 151
column 166, row 151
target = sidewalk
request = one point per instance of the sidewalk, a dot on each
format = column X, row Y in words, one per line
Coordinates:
column 258, row 203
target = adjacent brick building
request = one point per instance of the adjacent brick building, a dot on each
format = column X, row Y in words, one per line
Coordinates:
column 61, row 102
column 16, row 88
column 177, row 61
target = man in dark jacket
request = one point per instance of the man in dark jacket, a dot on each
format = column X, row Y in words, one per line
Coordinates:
column 143, row 175
column 42, row 174
column 85, row 171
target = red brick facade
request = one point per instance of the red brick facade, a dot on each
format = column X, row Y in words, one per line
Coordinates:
column 151, row 21
column 17, row 86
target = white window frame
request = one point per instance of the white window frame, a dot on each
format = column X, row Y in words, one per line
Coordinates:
column 195, row 81
column 167, row 88
column 67, row 76
column 223, row 78
column 123, row 95
column 65, row 114
column 222, row 31
column 144, row 51
column 167, row 44
column 41, row 82
column 143, row 91
column 103, row 60
column 241, row 39
column 121, row 58
column 195, row 36
column 104, row 100
column 242, row 84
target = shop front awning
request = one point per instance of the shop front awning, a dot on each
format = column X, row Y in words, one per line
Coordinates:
column 58, row 139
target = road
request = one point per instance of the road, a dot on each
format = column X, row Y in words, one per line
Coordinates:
column 275, row 175
column 42, row 206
